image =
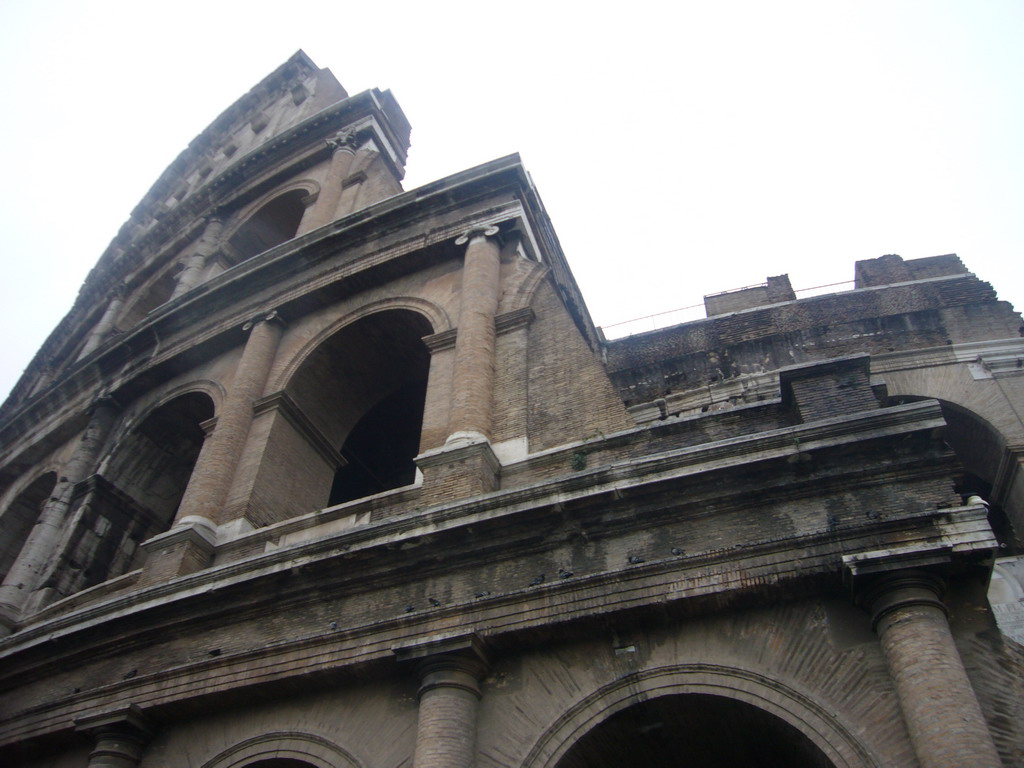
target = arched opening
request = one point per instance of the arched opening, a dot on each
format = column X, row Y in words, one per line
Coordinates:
column 364, row 388
column 280, row 762
column 379, row 450
column 156, row 294
column 271, row 225
column 19, row 518
column 980, row 448
column 695, row 730
column 136, row 495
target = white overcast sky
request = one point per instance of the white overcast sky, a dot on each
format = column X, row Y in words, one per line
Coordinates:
column 681, row 148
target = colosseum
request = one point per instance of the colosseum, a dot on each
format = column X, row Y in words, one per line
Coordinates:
column 318, row 472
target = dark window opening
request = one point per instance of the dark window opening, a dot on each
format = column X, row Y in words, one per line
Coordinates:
column 156, row 294
column 381, row 447
column 364, row 389
column 273, row 224
column 136, row 496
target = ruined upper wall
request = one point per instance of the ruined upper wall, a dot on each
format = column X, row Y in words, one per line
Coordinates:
column 898, row 305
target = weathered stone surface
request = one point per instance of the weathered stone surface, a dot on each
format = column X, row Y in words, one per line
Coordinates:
column 431, row 518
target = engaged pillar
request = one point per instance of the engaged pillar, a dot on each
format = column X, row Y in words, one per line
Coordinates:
column 195, row 264
column 450, row 673
column 473, row 377
column 941, row 711
column 106, row 324
column 344, row 144
column 466, row 465
column 27, row 571
column 120, row 737
column 189, row 544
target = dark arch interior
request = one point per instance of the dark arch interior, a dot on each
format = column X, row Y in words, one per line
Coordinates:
column 137, row 495
column 19, row 518
column 154, row 462
column 980, row 447
column 156, row 294
column 271, row 225
column 696, row 731
column 381, row 447
column 280, row 762
column 364, row 388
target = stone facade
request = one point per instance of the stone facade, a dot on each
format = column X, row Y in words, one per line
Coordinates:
column 318, row 472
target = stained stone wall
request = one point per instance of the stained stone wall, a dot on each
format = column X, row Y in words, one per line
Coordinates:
column 594, row 542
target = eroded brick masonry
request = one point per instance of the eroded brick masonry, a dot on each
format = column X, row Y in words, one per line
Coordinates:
column 321, row 472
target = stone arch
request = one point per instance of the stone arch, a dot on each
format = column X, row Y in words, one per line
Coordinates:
column 269, row 221
column 529, row 283
column 152, row 294
column 20, row 516
column 285, row 748
column 981, row 449
column 136, row 492
column 211, row 389
column 815, row 722
column 371, row 364
column 364, row 387
column 432, row 313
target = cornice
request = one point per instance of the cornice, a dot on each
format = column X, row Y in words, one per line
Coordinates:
column 712, row 574
column 614, row 481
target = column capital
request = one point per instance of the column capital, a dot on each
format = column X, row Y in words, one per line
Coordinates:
column 901, row 589
column 107, row 402
column 120, row 736
column 347, row 139
column 451, row 662
column 475, row 232
column 129, row 719
column 270, row 317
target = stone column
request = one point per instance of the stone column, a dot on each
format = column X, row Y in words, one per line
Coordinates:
column 215, row 467
column 208, row 245
column 450, row 673
column 120, row 737
column 25, row 573
column 941, row 711
column 344, row 143
column 106, row 324
column 473, row 377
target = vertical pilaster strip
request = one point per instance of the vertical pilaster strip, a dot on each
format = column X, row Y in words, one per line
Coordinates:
column 106, row 324
column 195, row 264
column 941, row 711
column 218, row 460
column 120, row 737
column 344, row 144
column 473, row 378
column 24, row 575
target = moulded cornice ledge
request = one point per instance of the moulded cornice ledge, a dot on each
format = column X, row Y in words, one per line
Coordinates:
column 956, row 532
column 615, row 480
